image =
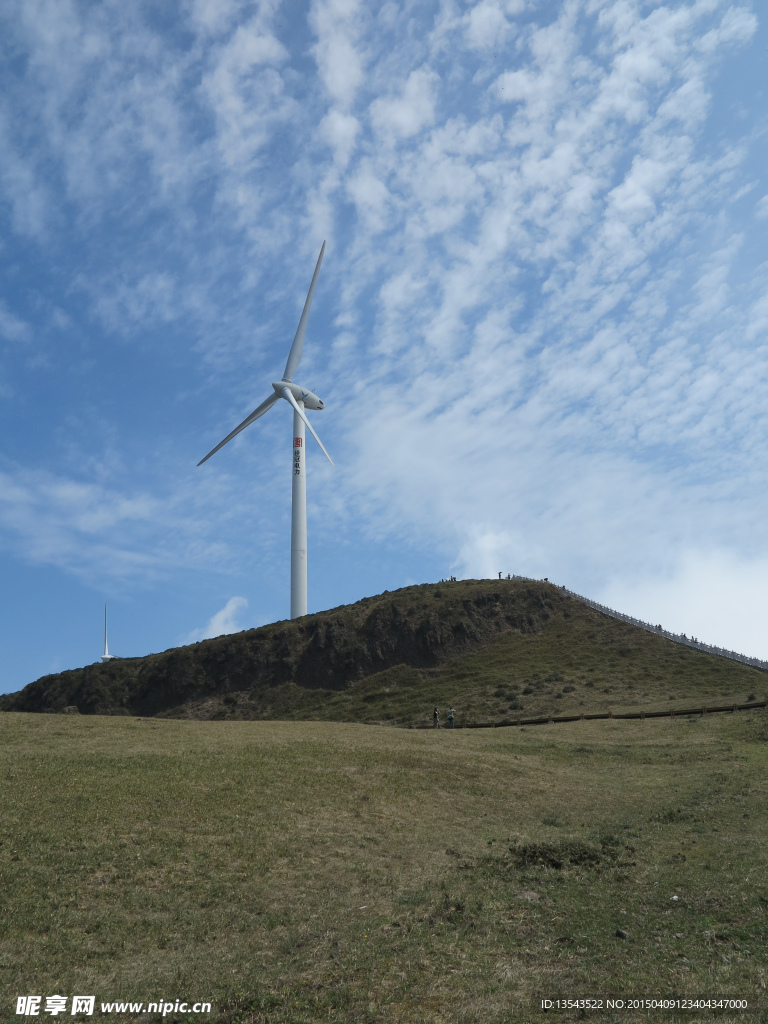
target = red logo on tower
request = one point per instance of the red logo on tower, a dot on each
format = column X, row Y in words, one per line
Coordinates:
column 297, row 442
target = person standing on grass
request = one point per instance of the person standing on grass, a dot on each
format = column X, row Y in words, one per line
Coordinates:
column 435, row 719
column 450, row 718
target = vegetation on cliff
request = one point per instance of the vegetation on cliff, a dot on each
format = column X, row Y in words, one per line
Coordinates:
column 490, row 648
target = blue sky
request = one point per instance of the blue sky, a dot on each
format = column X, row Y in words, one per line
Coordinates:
column 540, row 329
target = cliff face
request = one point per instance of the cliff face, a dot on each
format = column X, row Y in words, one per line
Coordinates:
column 417, row 627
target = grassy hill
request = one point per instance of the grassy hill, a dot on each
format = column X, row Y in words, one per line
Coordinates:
column 303, row 872
column 490, row 649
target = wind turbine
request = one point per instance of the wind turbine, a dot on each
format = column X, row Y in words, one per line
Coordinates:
column 300, row 398
column 106, row 656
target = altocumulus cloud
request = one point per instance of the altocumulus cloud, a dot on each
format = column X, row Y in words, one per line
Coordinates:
column 542, row 321
column 583, row 348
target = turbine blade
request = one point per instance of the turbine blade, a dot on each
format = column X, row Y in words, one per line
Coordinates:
column 264, row 407
column 287, row 394
column 294, row 356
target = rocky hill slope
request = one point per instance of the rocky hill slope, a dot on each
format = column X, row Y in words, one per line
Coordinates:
column 487, row 647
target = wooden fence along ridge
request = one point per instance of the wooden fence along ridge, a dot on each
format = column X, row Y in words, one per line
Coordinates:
column 676, row 638
column 674, row 712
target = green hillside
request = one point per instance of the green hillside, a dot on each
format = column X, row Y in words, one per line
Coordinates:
column 306, row 872
column 493, row 650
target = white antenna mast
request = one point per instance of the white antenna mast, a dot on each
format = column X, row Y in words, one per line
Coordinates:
column 106, row 656
column 300, row 399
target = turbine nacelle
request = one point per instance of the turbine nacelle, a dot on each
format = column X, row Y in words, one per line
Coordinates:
column 310, row 400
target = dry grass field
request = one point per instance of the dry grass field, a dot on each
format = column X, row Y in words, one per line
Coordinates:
column 305, row 871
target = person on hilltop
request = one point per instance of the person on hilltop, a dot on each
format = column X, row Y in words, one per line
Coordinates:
column 435, row 719
column 450, row 717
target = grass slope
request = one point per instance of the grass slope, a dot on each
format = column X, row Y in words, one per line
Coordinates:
column 491, row 649
column 303, row 872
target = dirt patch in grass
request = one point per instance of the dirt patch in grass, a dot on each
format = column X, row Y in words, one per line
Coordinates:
column 558, row 855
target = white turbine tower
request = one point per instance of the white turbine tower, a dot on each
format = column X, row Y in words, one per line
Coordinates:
column 106, row 656
column 300, row 398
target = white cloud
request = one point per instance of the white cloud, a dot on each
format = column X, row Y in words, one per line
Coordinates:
column 713, row 595
column 401, row 116
column 224, row 621
column 21, row 187
column 101, row 531
column 153, row 298
column 12, row 328
column 370, row 196
column 738, row 26
column 247, row 95
column 340, row 60
column 513, row 86
column 214, row 17
column 340, row 130
column 486, row 25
